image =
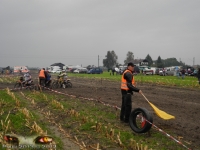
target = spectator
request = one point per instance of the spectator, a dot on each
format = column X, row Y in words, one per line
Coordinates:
column 163, row 70
column 113, row 71
column 198, row 75
column 183, row 73
column 177, row 72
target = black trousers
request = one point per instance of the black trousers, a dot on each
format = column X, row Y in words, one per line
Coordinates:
column 126, row 107
column 42, row 81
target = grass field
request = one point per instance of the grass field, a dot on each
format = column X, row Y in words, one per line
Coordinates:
column 188, row 81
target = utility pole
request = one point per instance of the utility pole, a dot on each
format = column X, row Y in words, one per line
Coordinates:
column 193, row 61
column 98, row 60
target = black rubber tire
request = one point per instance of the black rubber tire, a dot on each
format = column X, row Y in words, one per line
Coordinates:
column 69, row 85
column 32, row 87
column 132, row 120
column 18, row 86
column 55, row 85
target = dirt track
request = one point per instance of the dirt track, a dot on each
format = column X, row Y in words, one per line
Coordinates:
column 184, row 104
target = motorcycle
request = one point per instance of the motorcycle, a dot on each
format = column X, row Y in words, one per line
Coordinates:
column 22, row 83
column 67, row 84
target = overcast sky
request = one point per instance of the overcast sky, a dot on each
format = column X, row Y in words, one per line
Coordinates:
column 38, row 33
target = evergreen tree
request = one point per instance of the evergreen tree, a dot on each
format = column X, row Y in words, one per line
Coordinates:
column 129, row 57
column 149, row 59
column 159, row 62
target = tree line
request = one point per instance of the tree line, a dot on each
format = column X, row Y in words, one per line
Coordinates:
column 111, row 60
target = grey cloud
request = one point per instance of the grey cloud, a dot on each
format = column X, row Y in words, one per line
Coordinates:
column 44, row 32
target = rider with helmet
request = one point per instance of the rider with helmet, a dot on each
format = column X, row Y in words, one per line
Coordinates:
column 62, row 77
column 27, row 77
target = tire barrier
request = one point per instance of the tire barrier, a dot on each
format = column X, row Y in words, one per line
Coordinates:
column 137, row 120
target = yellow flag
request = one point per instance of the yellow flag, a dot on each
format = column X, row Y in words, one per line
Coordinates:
column 161, row 113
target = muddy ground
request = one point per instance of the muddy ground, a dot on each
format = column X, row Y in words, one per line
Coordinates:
column 182, row 103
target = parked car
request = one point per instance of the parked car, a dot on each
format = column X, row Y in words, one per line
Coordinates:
column 76, row 71
column 81, row 70
column 162, row 72
column 149, row 70
column 121, row 70
column 72, row 69
column 95, row 71
column 56, row 71
column 191, row 73
column 195, row 73
column 170, row 71
column 157, row 72
column 141, row 68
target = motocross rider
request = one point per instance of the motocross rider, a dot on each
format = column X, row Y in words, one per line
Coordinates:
column 27, row 77
column 62, row 77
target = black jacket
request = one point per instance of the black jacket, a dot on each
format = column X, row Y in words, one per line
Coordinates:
column 128, row 77
column 198, row 74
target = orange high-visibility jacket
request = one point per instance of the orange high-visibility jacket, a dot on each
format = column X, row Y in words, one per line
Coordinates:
column 41, row 74
column 124, row 82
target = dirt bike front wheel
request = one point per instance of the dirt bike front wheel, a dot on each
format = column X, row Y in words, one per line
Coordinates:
column 55, row 85
column 18, row 86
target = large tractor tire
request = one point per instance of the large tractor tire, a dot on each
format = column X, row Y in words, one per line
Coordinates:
column 139, row 120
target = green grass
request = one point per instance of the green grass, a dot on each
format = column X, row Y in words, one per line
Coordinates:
column 188, row 81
